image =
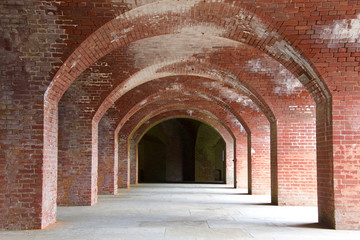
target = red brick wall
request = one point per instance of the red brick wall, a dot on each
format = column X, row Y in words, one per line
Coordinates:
column 346, row 151
column 259, row 176
column 28, row 192
column 124, row 163
column 242, row 161
column 296, row 162
column 39, row 37
column 108, row 157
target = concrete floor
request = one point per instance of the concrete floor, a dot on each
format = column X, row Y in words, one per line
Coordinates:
column 184, row 211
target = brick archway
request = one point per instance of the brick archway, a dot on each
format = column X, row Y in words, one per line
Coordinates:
column 76, row 63
column 45, row 45
column 202, row 117
column 231, row 177
column 188, row 112
column 139, row 117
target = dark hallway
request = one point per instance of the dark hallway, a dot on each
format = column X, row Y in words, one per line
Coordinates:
column 181, row 150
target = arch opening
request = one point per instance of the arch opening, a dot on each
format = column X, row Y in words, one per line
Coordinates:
column 182, row 150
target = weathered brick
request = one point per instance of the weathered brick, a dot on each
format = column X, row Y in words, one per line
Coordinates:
column 271, row 64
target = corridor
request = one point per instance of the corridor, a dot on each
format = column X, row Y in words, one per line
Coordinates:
column 183, row 211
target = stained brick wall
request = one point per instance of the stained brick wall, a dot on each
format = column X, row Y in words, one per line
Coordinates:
column 274, row 62
column 108, row 157
column 28, row 32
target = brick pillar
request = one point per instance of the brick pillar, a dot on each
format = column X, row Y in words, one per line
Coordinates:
column 78, row 160
column 28, row 124
column 242, row 161
column 27, row 170
column 325, row 168
column 108, row 159
column 21, row 175
column 259, row 174
column 133, row 162
column 230, row 162
column 124, row 163
column 296, row 162
column 346, row 159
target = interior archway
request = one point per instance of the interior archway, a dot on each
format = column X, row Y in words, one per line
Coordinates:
column 63, row 71
column 182, row 150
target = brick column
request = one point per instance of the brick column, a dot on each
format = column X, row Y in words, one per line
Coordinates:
column 133, row 162
column 346, row 158
column 296, row 162
column 242, row 161
column 108, row 159
column 230, row 162
column 124, row 163
column 78, row 160
column 259, row 167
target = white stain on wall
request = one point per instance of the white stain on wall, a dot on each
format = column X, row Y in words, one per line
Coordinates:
column 143, row 102
column 119, row 35
column 178, row 87
column 250, row 24
column 151, row 7
column 247, row 102
column 231, row 94
column 190, row 41
column 305, row 109
column 237, row 124
column 134, row 3
column 282, row 49
column 287, row 83
column 157, row 10
column 343, row 29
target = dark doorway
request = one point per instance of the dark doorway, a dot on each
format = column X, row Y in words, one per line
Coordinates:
column 181, row 150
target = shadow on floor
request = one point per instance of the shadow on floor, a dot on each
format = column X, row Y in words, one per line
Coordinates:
column 309, row 225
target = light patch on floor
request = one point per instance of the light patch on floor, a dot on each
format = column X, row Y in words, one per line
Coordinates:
column 184, row 211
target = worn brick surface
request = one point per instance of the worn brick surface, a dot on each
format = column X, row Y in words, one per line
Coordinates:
column 281, row 66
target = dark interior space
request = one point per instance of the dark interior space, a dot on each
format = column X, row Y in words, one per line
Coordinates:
column 181, row 150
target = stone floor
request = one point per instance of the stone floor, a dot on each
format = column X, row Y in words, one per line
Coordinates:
column 184, row 211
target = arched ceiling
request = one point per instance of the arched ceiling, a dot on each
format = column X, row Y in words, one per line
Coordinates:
column 190, row 105
column 238, row 50
column 177, row 112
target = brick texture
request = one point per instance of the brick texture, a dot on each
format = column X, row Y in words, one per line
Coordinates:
column 283, row 75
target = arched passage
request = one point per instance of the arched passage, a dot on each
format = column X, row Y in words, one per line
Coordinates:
column 181, row 150
column 315, row 42
column 141, row 118
column 128, row 143
column 113, row 123
column 260, row 158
